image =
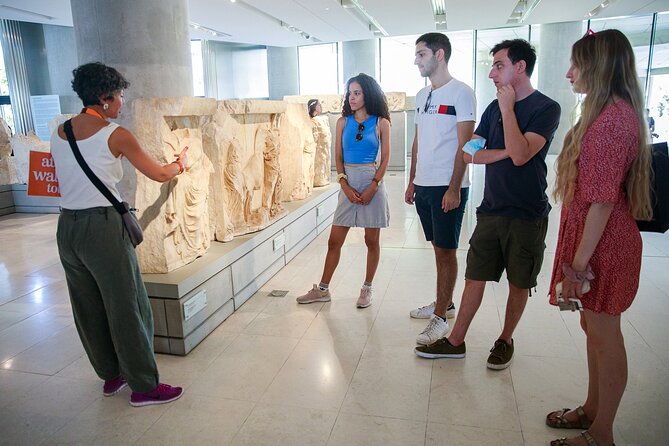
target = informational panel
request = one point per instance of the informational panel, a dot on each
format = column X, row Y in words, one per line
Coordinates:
column 44, row 109
column 42, row 180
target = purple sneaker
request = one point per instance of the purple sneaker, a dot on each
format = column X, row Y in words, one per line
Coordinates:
column 114, row 386
column 160, row 395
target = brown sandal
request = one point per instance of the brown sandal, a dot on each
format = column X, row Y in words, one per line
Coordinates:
column 556, row 419
column 589, row 441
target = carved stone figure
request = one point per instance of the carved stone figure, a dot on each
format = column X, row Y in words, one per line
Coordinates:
column 8, row 174
column 243, row 142
column 322, row 160
column 186, row 209
column 297, row 154
column 174, row 215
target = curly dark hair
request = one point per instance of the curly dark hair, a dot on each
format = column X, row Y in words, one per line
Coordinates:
column 93, row 80
column 375, row 100
column 519, row 49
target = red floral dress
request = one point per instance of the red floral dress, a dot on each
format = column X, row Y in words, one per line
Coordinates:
column 609, row 147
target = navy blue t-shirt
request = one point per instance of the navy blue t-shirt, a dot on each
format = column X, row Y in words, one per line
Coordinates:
column 518, row 191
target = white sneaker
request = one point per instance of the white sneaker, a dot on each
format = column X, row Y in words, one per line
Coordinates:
column 435, row 330
column 427, row 311
column 365, row 299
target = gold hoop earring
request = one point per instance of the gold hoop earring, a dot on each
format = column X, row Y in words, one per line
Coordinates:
column 105, row 107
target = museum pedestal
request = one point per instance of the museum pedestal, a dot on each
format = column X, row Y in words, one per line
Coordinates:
column 190, row 302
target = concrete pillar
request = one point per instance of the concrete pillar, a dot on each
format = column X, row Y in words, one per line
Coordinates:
column 554, row 51
column 282, row 71
column 146, row 40
column 361, row 56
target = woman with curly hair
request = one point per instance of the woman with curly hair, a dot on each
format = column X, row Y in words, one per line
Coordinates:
column 361, row 133
column 603, row 183
column 109, row 301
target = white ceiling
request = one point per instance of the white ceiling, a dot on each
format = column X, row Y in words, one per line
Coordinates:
column 258, row 21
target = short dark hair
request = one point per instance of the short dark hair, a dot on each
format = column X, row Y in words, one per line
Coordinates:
column 93, row 80
column 436, row 42
column 519, row 49
column 375, row 99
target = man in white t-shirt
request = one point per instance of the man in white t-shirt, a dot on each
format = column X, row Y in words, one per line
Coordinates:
column 438, row 184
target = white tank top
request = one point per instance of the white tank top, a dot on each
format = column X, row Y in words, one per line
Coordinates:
column 76, row 190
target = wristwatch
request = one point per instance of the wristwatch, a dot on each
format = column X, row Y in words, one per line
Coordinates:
column 340, row 176
column 377, row 181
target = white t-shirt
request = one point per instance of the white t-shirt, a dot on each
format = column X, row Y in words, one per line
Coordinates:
column 437, row 131
column 76, row 189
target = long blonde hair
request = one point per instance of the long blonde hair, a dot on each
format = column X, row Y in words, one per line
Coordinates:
column 607, row 70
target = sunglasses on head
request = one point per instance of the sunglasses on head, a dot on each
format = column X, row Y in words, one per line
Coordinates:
column 361, row 128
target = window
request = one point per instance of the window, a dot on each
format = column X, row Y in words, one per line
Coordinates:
column 250, row 67
column 658, row 85
column 5, row 107
column 398, row 72
column 461, row 65
column 319, row 69
column 198, row 67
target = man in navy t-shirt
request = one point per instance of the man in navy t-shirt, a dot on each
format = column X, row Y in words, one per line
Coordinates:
column 516, row 131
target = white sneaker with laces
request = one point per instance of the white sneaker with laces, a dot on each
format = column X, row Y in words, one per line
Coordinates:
column 435, row 330
column 427, row 311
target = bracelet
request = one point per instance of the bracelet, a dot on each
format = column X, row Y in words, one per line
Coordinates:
column 377, row 181
column 577, row 276
column 341, row 176
column 181, row 166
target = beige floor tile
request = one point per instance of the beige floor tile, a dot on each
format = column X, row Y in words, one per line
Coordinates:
column 29, row 332
column 316, row 375
column 198, row 420
column 49, row 356
column 285, row 425
column 15, row 385
column 363, row 430
column 449, row 434
column 465, row 392
column 390, row 382
column 109, row 421
column 245, row 369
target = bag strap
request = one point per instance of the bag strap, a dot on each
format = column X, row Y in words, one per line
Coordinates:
column 104, row 190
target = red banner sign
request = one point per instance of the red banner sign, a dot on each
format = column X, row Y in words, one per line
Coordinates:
column 42, row 180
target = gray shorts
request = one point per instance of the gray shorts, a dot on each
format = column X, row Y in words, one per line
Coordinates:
column 376, row 214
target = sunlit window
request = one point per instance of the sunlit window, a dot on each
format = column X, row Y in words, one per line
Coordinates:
column 198, row 68
column 319, row 69
column 398, row 72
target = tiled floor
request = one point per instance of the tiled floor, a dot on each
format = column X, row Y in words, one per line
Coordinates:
column 276, row 373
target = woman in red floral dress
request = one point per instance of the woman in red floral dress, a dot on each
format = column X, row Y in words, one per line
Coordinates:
column 603, row 182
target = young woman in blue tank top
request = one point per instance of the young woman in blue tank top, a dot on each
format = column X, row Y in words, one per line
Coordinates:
column 362, row 137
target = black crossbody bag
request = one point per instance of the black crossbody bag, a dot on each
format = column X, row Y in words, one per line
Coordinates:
column 127, row 213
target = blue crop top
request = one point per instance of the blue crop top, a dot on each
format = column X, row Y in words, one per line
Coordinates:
column 365, row 150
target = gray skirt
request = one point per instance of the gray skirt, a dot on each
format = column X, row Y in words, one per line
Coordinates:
column 376, row 214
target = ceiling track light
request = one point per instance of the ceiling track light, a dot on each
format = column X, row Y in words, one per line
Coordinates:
column 297, row 31
column 361, row 13
column 523, row 10
column 603, row 5
column 213, row 32
column 439, row 12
